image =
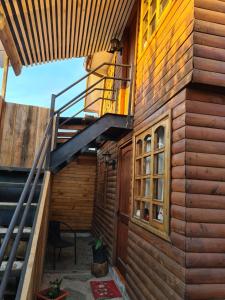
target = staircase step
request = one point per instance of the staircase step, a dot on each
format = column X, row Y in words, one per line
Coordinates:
column 9, row 205
column 26, row 230
column 16, row 269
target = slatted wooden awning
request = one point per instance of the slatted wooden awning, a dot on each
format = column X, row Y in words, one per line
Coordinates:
column 48, row 30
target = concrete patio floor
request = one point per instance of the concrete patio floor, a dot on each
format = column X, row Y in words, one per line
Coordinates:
column 76, row 278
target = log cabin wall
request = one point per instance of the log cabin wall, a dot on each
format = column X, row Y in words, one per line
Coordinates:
column 22, row 128
column 73, row 191
column 165, row 66
column 105, row 201
column 198, row 201
column 209, row 42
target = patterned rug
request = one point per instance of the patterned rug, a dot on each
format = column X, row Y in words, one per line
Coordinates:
column 105, row 290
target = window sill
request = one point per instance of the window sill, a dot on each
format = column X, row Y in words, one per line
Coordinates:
column 151, row 229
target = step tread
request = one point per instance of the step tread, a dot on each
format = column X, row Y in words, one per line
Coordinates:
column 17, row 266
column 12, row 204
column 3, row 230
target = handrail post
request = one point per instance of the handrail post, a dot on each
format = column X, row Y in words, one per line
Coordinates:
column 131, row 91
column 51, row 115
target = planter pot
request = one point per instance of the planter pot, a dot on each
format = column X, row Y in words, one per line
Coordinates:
column 99, row 255
column 43, row 295
column 100, row 270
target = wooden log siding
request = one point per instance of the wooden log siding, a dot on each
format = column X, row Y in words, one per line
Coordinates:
column 209, row 42
column 105, row 202
column 198, row 192
column 166, row 65
column 22, row 128
column 73, row 191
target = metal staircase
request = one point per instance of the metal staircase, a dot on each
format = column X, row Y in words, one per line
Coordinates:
column 19, row 207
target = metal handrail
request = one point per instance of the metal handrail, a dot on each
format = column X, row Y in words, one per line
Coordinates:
column 37, row 164
column 86, row 94
column 87, row 106
column 90, row 73
column 88, row 89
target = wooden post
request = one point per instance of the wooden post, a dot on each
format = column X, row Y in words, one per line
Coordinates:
column 5, row 76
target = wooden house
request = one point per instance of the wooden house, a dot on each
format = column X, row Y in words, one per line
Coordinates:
column 156, row 186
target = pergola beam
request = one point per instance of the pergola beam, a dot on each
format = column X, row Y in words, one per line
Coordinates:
column 5, row 76
column 9, row 45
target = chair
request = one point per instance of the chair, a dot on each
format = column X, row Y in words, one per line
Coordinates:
column 57, row 242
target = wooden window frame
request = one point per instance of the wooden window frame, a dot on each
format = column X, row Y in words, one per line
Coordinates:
column 157, row 14
column 159, row 228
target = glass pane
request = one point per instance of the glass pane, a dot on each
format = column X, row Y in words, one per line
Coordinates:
column 144, row 39
column 159, row 163
column 158, row 213
column 163, row 5
column 147, row 165
column 153, row 25
column 158, row 189
column 138, row 187
column 146, row 187
column 137, row 209
column 145, row 22
column 139, row 148
column 148, row 141
column 159, row 134
column 145, row 6
column 138, row 167
column 146, row 210
column 152, row 7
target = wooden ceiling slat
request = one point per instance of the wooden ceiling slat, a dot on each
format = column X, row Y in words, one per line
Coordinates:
column 78, row 11
column 45, row 29
column 72, row 28
column 104, row 24
column 16, row 32
column 48, row 9
column 68, row 39
column 36, row 42
column 83, row 26
column 29, row 31
column 86, row 25
column 112, row 18
column 123, row 19
column 64, row 22
column 53, row 7
column 91, row 18
column 99, row 25
column 94, row 23
column 59, row 38
column 39, row 29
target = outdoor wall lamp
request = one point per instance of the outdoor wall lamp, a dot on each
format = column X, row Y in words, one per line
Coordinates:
column 115, row 46
column 108, row 161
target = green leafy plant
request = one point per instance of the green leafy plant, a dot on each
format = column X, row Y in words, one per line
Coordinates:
column 98, row 243
column 54, row 290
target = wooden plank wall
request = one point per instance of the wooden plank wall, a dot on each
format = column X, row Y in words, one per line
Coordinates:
column 199, row 181
column 209, row 42
column 156, row 267
column 105, row 202
column 166, row 65
column 22, row 128
column 73, row 191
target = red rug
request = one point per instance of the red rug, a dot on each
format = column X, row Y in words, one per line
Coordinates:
column 105, row 290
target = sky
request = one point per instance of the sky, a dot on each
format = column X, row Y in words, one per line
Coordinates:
column 35, row 84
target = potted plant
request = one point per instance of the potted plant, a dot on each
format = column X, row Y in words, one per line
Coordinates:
column 99, row 266
column 53, row 292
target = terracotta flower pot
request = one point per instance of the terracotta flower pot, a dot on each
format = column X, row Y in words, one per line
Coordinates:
column 43, row 295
